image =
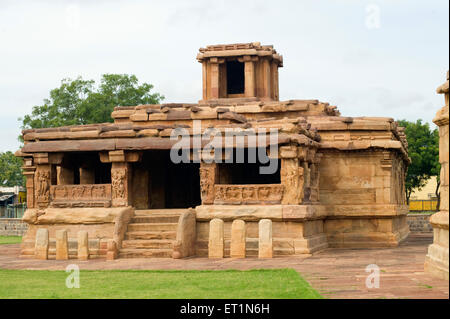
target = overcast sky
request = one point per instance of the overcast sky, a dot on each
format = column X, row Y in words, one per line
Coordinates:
column 370, row 58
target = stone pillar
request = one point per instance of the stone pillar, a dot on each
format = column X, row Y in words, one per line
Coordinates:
column 265, row 239
column 29, row 171
column 205, row 79
column 121, row 175
column 140, row 187
column 215, row 245
column 208, row 177
column 87, row 175
column 266, row 79
column 437, row 259
column 275, row 85
column 66, row 175
column 62, row 247
column 120, row 181
column 42, row 182
column 41, row 245
column 237, row 249
column 83, row 245
column 291, row 174
column 249, row 74
column 214, row 78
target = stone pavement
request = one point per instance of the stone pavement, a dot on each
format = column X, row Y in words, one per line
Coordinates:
column 335, row 273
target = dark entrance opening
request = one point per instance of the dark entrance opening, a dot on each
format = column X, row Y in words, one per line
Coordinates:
column 169, row 185
column 242, row 172
column 235, row 77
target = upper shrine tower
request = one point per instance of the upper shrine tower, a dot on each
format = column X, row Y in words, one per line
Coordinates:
column 248, row 71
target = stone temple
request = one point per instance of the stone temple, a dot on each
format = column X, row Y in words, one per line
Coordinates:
column 113, row 190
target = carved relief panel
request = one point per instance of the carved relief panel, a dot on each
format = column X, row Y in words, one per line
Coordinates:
column 120, row 180
column 208, row 172
column 248, row 194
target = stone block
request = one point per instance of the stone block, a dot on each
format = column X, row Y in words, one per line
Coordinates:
column 265, row 239
column 238, row 236
column 112, row 251
column 83, row 245
column 62, row 247
column 216, row 242
column 41, row 245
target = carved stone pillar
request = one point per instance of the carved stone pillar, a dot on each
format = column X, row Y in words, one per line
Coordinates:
column 42, row 182
column 437, row 259
column 208, row 177
column 120, row 182
column 121, row 175
column 291, row 174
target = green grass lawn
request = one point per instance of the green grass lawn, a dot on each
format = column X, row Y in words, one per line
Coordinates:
column 220, row 284
column 10, row 240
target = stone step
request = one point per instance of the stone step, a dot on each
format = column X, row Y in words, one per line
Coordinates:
column 145, row 253
column 135, row 235
column 152, row 227
column 157, row 218
column 152, row 243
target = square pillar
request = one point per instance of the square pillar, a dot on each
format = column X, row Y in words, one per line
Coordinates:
column 87, row 175
column 249, row 74
column 214, row 80
column 120, row 182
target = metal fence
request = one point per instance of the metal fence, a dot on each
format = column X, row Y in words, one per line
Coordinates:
column 423, row 205
column 13, row 210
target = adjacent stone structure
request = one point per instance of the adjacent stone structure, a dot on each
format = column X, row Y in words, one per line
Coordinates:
column 436, row 262
column 331, row 181
column 12, row 227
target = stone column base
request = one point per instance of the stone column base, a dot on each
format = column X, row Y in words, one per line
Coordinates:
column 436, row 262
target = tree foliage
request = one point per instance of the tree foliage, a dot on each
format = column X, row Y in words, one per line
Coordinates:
column 10, row 170
column 423, row 149
column 79, row 101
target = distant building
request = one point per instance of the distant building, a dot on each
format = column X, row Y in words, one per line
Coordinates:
column 11, row 196
column 427, row 192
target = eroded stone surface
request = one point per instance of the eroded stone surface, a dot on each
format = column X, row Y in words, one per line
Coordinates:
column 62, row 246
column 41, row 244
column 238, row 236
column 216, row 245
column 265, row 248
column 83, row 245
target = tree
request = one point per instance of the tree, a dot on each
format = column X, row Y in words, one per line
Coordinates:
column 10, row 170
column 79, row 101
column 423, row 149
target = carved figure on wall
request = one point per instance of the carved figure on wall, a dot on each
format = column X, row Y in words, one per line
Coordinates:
column 43, row 185
column 118, row 183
